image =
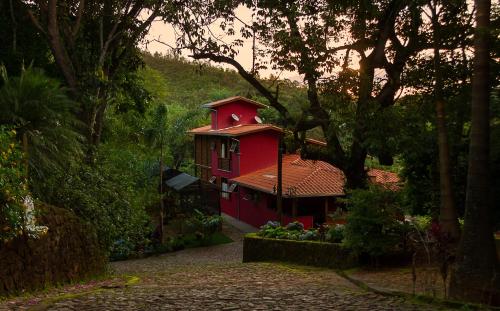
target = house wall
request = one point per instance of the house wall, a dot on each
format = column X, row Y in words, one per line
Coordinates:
column 230, row 206
column 258, row 150
column 258, row 213
column 203, row 156
column 222, row 118
column 255, row 213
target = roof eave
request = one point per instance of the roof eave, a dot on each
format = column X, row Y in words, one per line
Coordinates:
column 229, row 100
column 286, row 195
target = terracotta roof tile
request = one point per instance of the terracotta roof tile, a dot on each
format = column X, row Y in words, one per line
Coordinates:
column 233, row 99
column 316, row 142
column 380, row 176
column 237, row 130
column 387, row 179
column 308, row 178
column 301, row 178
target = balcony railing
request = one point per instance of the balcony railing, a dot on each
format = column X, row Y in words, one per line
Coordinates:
column 224, row 164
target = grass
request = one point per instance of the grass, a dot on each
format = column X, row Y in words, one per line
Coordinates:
column 217, row 238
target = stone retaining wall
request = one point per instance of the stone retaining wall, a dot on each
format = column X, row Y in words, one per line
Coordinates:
column 320, row 254
column 68, row 252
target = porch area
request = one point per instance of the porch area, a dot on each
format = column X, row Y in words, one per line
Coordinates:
column 257, row 208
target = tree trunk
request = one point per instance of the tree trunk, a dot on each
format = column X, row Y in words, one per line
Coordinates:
column 98, row 125
column 448, row 218
column 58, row 50
column 162, row 207
column 476, row 275
column 355, row 172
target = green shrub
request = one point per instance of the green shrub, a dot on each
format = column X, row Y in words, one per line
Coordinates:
column 423, row 223
column 292, row 231
column 203, row 225
column 110, row 196
column 372, row 225
column 335, row 234
column 13, row 186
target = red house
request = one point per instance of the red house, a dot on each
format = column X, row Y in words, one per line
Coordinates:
column 239, row 154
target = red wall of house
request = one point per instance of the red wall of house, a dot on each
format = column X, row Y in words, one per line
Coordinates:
column 255, row 213
column 259, row 213
column 235, row 165
column 258, row 150
column 222, row 118
column 230, row 206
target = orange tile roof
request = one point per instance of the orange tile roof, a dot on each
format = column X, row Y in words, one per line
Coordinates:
column 308, row 178
column 233, row 99
column 381, row 176
column 387, row 179
column 237, row 130
column 316, row 142
column 301, row 178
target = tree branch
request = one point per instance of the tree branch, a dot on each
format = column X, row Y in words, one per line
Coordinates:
column 273, row 101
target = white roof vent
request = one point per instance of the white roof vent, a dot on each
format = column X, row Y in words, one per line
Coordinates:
column 235, row 117
column 258, row 119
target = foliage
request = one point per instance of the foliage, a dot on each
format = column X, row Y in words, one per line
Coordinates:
column 203, row 225
column 13, row 185
column 112, row 195
column 21, row 42
column 44, row 119
column 421, row 223
column 335, row 234
column 352, row 72
column 373, row 226
column 292, row 231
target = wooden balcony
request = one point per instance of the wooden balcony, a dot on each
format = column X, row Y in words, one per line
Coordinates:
column 224, row 164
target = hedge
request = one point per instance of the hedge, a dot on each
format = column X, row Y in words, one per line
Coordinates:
column 313, row 253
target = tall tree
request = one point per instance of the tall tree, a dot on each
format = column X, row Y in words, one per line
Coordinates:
column 476, row 275
column 448, row 217
column 93, row 43
column 313, row 38
column 157, row 136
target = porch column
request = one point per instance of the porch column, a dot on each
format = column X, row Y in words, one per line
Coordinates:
column 295, row 203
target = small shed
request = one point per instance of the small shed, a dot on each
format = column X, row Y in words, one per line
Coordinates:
column 186, row 193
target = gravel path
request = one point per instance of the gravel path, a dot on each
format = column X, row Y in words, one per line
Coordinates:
column 213, row 278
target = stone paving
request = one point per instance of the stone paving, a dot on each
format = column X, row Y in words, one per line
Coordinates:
column 213, row 278
column 428, row 281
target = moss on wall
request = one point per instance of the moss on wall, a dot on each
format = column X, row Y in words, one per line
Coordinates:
column 68, row 252
column 311, row 253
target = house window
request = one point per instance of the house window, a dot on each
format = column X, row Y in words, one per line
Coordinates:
column 224, row 155
column 224, row 149
column 224, row 189
column 234, row 146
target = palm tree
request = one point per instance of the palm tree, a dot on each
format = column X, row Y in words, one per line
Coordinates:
column 476, row 275
column 44, row 119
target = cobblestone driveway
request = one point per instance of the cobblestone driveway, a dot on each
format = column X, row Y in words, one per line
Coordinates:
column 214, row 278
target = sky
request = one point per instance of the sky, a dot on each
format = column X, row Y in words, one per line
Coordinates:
column 165, row 33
